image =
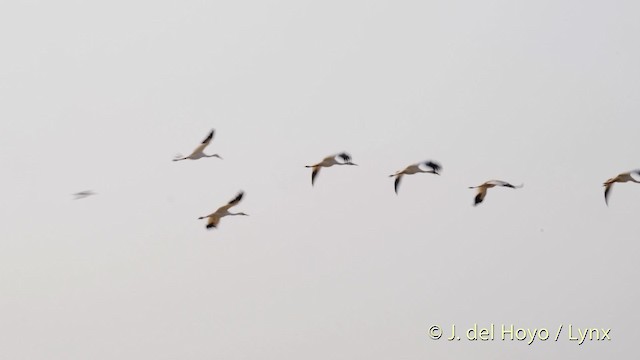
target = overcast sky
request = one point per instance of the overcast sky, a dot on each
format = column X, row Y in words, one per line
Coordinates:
column 101, row 96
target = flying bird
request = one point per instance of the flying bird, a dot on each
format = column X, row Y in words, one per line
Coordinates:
column 621, row 178
column 214, row 218
column 429, row 166
column 345, row 159
column 83, row 194
column 482, row 189
column 199, row 151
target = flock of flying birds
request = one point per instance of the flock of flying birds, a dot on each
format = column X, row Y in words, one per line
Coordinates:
column 343, row 158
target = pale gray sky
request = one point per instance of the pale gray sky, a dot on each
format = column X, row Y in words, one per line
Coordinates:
column 101, row 96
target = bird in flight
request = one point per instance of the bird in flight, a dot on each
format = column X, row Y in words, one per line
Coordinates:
column 633, row 176
column 482, row 189
column 422, row 167
column 83, row 194
column 214, row 218
column 199, row 151
column 345, row 159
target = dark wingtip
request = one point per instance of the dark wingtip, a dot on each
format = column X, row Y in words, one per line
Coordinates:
column 209, row 137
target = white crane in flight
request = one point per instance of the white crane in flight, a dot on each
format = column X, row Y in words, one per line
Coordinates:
column 199, row 151
column 482, row 189
column 214, row 218
column 429, row 166
column 345, row 159
column 633, row 176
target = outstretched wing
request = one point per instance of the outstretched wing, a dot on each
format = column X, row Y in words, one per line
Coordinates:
column 498, row 183
column 213, row 222
column 207, row 140
column 204, row 142
column 314, row 173
column 480, row 196
column 607, row 190
column 504, row 183
column 229, row 205
column 236, row 199
column 397, row 183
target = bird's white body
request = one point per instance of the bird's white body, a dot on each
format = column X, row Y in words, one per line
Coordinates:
column 198, row 153
column 633, row 176
column 410, row 170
